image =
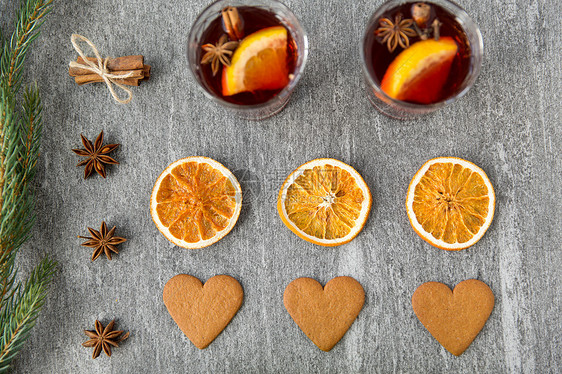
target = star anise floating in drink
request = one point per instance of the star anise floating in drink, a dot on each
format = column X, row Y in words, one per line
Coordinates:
column 396, row 33
column 103, row 338
column 219, row 53
column 102, row 241
column 96, row 154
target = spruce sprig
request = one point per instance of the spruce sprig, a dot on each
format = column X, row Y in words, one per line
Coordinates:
column 20, row 137
column 20, row 314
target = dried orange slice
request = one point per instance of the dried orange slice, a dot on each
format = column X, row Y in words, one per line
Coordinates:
column 195, row 202
column 419, row 72
column 450, row 203
column 259, row 63
column 325, row 202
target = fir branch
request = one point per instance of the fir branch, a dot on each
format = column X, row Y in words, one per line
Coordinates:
column 20, row 136
column 17, row 157
column 19, row 317
column 29, row 19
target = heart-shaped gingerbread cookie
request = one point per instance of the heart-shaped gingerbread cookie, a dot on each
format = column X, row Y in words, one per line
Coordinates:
column 453, row 318
column 202, row 311
column 324, row 314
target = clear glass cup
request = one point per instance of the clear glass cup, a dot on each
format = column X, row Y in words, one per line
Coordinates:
column 407, row 110
column 288, row 20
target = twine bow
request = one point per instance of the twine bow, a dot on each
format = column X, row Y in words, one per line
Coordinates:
column 101, row 69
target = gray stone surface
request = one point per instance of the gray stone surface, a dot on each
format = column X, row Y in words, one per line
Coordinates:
column 509, row 124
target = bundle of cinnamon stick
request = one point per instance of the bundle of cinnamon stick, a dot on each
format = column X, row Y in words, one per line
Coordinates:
column 118, row 65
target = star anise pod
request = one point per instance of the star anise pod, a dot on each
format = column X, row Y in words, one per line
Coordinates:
column 396, row 33
column 219, row 53
column 102, row 241
column 97, row 155
column 102, row 338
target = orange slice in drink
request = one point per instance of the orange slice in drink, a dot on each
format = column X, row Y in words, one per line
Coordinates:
column 259, row 63
column 325, row 202
column 450, row 203
column 419, row 72
column 195, row 202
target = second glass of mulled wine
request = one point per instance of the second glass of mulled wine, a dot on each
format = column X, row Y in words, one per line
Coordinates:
column 419, row 56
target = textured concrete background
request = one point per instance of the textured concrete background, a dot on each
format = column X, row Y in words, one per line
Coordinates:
column 509, row 124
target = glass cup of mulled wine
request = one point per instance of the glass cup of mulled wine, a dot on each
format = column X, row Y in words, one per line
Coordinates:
column 419, row 56
column 248, row 55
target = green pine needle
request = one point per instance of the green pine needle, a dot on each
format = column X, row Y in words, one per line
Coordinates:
column 20, row 138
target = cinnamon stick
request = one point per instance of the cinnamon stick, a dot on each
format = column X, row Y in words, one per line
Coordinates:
column 115, row 64
column 135, row 73
column 133, row 80
column 232, row 23
column 91, row 78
